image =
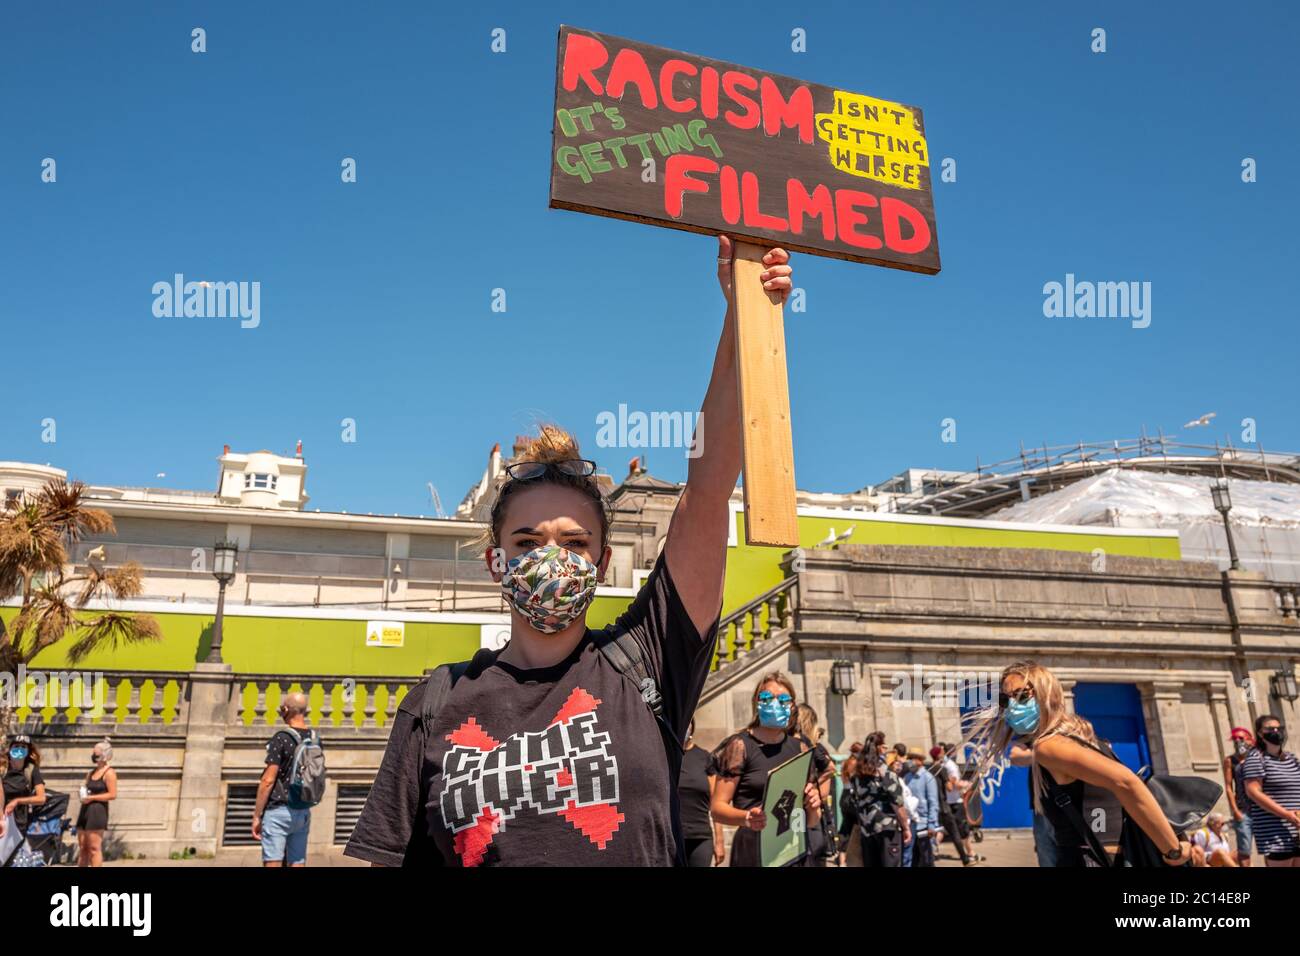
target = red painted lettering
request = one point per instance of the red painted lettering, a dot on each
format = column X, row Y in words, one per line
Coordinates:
column 801, row 204
column 709, row 93
column 671, row 69
column 749, row 202
column 678, row 181
column 797, row 113
column 850, row 217
column 730, row 195
column 732, row 82
column 582, row 57
column 891, row 211
column 630, row 67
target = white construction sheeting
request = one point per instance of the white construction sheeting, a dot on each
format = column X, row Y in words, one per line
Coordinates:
column 1265, row 515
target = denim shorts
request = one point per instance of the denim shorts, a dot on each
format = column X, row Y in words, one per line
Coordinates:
column 284, row 835
column 1242, row 829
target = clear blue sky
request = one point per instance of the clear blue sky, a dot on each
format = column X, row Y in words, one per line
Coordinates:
column 375, row 296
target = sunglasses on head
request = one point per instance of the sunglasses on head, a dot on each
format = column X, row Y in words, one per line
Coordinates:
column 572, row 467
column 1021, row 696
column 766, row 697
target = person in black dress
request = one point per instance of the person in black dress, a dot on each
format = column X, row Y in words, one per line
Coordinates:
column 694, row 793
column 100, row 788
column 744, row 761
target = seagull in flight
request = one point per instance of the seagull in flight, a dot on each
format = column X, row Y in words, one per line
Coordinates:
column 1203, row 420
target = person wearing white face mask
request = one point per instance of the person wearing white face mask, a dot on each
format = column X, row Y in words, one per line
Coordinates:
column 565, row 747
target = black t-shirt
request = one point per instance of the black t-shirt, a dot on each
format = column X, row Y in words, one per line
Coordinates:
column 557, row 766
column 15, row 785
column 280, row 750
column 693, row 792
column 747, row 760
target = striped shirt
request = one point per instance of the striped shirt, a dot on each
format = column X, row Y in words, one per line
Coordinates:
column 1281, row 777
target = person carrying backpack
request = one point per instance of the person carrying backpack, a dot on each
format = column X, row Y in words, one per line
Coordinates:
column 1102, row 813
column 565, row 748
column 292, row 783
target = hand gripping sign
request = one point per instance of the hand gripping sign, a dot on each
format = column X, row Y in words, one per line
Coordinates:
column 672, row 139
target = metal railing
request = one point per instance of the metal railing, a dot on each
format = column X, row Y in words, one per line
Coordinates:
column 959, row 492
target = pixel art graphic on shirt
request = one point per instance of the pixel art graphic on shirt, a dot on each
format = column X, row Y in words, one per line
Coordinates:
column 566, row 769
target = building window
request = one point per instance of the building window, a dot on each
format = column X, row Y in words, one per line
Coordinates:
column 13, row 495
column 259, row 481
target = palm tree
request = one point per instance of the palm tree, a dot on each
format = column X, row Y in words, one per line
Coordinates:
column 36, row 532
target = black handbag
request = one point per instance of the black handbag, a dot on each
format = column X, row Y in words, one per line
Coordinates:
column 1186, row 801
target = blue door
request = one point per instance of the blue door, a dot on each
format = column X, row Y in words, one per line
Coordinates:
column 1115, row 711
column 1006, row 796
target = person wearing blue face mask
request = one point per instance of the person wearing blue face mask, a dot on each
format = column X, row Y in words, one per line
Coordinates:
column 1076, row 776
column 744, row 760
column 23, row 784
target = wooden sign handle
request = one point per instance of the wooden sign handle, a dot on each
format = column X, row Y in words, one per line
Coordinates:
column 766, row 443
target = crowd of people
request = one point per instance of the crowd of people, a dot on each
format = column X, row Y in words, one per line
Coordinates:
column 897, row 804
column 894, row 805
column 573, row 745
column 291, row 783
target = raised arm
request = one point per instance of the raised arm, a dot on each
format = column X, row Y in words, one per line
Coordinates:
column 696, row 549
column 1068, row 760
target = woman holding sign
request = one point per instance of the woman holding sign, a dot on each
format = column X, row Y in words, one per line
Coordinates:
column 746, row 759
column 564, row 748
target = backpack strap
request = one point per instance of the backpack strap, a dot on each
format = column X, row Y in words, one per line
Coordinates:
column 625, row 654
column 622, row 650
column 1061, row 797
column 444, row 677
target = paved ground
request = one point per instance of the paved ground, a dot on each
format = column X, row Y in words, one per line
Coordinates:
column 1001, row 848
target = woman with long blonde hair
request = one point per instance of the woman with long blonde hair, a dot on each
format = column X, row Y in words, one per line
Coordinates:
column 1078, row 782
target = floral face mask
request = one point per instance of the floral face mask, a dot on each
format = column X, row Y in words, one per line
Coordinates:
column 550, row 586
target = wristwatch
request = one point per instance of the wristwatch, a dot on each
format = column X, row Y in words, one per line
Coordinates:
column 1175, row 853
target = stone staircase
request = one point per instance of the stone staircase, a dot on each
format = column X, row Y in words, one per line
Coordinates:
column 751, row 637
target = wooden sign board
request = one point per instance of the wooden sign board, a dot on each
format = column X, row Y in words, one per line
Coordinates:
column 671, row 139
column 657, row 136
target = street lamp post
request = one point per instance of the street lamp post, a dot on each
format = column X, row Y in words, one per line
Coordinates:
column 1223, row 504
column 224, row 554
